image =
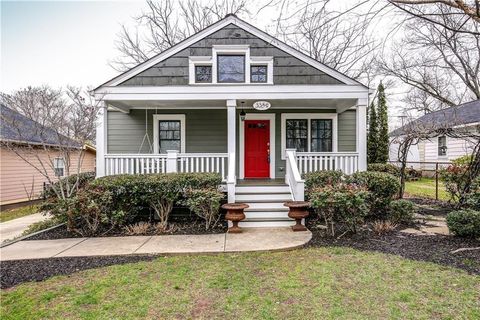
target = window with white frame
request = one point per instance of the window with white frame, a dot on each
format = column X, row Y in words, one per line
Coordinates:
column 442, row 146
column 230, row 64
column 169, row 132
column 309, row 132
column 59, row 167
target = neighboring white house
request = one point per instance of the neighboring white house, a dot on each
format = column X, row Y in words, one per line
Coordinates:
column 233, row 99
column 440, row 148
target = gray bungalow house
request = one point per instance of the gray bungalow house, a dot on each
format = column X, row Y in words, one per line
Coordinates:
column 234, row 100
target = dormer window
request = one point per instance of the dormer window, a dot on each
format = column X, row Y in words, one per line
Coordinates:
column 203, row 74
column 231, row 68
column 231, row 65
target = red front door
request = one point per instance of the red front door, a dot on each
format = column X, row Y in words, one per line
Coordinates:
column 257, row 148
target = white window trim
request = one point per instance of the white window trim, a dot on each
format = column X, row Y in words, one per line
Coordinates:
column 55, row 166
column 194, row 61
column 157, row 118
column 309, row 116
column 233, row 50
column 257, row 116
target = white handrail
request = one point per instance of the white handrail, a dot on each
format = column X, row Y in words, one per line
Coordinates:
column 293, row 177
column 347, row 162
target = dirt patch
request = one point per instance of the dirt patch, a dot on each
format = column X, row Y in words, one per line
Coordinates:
column 19, row 271
column 432, row 248
column 179, row 226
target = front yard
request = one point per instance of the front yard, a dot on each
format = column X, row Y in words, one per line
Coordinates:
column 425, row 187
column 332, row 282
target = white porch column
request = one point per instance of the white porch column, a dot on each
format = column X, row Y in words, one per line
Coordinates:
column 362, row 134
column 101, row 139
column 232, row 146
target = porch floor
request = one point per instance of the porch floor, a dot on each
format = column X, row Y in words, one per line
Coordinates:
column 261, row 182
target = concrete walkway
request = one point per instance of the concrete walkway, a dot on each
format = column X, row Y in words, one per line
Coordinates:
column 14, row 228
column 252, row 239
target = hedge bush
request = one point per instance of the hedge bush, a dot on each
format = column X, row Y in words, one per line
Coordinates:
column 340, row 202
column 382, row 187
column 317, row 179
column 384, row 167
column 205, row 203
column 455, row 177
column 83, row 179
column 464, row 223
column 401, row 211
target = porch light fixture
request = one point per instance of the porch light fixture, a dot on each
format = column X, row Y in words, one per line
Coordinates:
column 242, row 113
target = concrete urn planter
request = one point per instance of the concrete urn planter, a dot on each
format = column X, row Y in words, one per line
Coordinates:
column 235, row 214
column 298, row 210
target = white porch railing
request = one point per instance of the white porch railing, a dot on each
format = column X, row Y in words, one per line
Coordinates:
column 293, row 177
column 347, row 162
column 166, row 163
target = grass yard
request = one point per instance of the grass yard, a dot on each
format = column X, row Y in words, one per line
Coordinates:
column 17, row 213
column 313, row 283
column 425, row 187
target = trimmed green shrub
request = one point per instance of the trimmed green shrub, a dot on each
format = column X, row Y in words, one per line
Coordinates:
column 91, row 212
column 455, row 177
column 464, row 223
column 83, row 179
column 464, row 160
column 384, row 167
column 322, row 178
column 401, row 211
column 382, row 187
column 340, row 202
column 205, row 203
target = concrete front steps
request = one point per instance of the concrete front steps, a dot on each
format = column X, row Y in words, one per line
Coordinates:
column 266, row 205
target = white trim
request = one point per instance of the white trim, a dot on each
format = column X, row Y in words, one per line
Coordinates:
column 194, row 61
column 257, row 116
column 101, row 139
column 309, row 116
column 157, row 118
column 215, row 27
column 361, row 138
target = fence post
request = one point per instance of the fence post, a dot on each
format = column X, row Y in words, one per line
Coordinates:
column 436, row 181
column 172, row 161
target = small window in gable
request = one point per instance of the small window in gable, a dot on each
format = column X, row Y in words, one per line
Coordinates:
column 203, row 74
column 231, row 68
column 258, row 74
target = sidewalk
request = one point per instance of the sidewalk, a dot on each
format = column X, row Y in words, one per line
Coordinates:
column 14, row 228
column 252, row 239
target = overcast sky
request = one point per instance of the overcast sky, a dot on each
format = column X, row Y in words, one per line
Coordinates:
column 60, row 42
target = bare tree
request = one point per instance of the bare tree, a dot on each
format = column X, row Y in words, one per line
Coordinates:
column 432, row 11
column 165, row 24
column 438, row 62
column 58, row 124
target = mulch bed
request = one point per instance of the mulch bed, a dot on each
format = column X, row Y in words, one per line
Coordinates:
column 431, row 248
column 179, row 226
column 19, row 271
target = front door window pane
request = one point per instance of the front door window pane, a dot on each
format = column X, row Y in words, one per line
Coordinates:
column 321, row 135
column 297, row 135
column 231, row 68
column 169, row 135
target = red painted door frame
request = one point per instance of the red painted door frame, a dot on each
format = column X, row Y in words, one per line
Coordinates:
column 257, row 148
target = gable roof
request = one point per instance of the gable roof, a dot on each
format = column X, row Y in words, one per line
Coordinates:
column 15, row 127
column 463, row 114
column 229, row 19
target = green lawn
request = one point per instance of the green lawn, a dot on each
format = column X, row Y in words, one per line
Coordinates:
column 313, row 283
column 17, row 213
column 425, row 187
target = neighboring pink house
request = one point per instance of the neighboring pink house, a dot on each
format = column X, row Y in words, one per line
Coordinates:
column 17, row 177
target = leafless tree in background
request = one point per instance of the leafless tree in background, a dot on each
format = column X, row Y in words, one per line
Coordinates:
column 62, row 123
column 433, row 12
column 440, row 65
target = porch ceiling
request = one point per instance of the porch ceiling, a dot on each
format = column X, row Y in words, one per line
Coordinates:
column 339, row 104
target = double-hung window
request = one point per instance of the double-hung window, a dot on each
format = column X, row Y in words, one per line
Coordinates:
column 169, row 132
column 442, row 146
column 309, row 132
column 59, row 167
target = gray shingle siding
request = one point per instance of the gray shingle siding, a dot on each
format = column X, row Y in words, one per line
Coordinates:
column 287, row 69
